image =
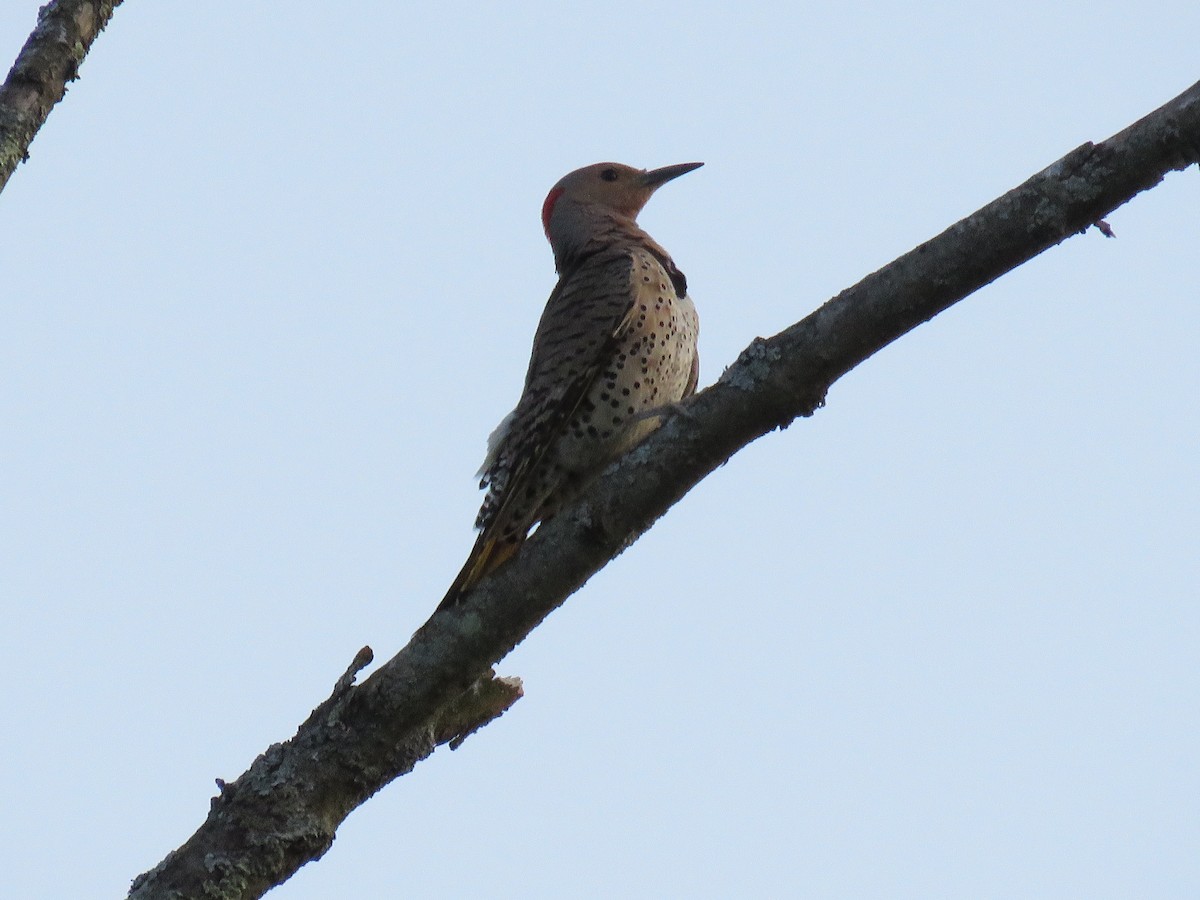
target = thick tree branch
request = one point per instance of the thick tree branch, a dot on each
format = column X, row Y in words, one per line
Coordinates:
column 285, row 809
column 38, row 79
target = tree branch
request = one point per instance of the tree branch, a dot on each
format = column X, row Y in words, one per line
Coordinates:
column 38, row 79
column 285, row 809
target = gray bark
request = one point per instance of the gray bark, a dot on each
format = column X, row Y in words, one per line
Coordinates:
column 38, row 79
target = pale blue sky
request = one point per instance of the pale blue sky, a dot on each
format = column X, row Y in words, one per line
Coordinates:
column 270, row 278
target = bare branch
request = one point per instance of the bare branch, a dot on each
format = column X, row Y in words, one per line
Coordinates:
column 38, row 79
column 285, row 809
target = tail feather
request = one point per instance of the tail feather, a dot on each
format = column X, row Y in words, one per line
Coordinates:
column 486, row 556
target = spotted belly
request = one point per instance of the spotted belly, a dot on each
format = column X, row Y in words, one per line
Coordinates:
column 653, row 365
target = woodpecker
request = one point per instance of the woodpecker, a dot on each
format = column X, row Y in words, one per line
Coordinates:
column 616, row 341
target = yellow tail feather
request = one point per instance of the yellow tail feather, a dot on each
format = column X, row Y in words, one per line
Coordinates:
column 486, row 556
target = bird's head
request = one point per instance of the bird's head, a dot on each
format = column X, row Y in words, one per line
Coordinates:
column 609, row 187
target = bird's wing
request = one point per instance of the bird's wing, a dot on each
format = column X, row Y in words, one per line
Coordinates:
column 588, row 312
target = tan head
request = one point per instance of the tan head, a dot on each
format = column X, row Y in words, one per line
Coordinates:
column 597, row 189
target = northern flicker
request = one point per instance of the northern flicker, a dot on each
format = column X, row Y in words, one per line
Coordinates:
column 617, row 340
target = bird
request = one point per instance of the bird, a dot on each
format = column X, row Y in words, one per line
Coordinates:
column 615, row 343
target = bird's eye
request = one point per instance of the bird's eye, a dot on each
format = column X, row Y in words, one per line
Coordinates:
column 609, row 174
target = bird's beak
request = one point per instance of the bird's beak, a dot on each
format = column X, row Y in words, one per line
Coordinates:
column 657, row 177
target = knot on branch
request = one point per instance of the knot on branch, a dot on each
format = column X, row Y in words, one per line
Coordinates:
column 753, row 366
column 488, row 698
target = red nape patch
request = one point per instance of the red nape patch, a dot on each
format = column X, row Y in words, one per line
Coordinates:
column 548, row 208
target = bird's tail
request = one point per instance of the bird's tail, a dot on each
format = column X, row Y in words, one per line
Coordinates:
column 487, row 555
